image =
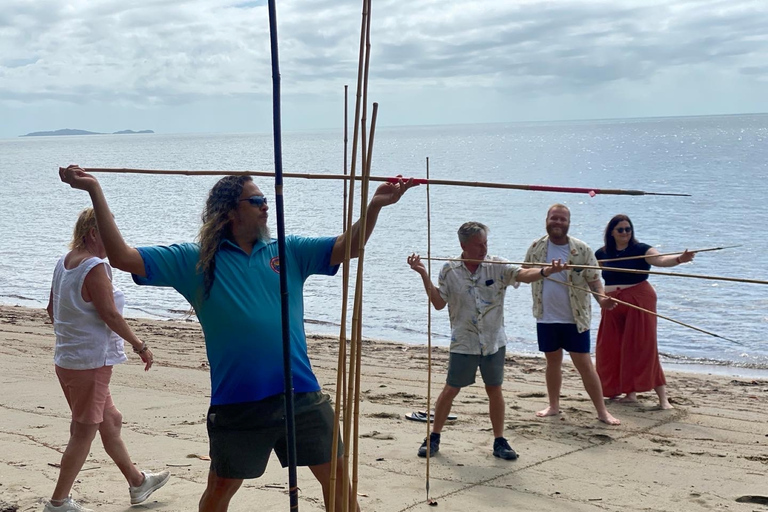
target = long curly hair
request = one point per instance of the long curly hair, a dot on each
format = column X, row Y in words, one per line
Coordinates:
column 216, row 227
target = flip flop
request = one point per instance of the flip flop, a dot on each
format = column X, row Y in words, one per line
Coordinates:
column 422, row 416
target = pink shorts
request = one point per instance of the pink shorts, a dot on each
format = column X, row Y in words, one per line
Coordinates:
column 87, row 393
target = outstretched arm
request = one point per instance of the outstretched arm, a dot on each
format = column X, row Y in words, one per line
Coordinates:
column 386, row 194
column 414, row 260
column 654, row 258
column 120, row 254
column 529, row 274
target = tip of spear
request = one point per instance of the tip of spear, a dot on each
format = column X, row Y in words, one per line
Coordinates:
column 666, row 194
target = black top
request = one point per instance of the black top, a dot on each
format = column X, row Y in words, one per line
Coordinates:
column 612, row 278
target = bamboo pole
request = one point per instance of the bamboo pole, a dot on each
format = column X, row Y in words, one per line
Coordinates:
column 616, row 269
column 345, row 293
column 429, row 335
column 357, row 320
column 293, row 486
column 626, row 258
column 644, row 310
column 390, row 179
column 346, row 116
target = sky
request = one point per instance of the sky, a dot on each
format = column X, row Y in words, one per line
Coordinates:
column 177, row 66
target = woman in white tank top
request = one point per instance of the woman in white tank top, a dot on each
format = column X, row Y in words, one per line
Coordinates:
column 86, row 311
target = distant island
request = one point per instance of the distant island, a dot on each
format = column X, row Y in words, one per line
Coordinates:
column 69, row 131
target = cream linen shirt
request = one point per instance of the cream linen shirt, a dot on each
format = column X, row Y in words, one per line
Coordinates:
column 476, row 304
column 581, row 301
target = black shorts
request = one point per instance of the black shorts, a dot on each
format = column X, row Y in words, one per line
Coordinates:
column 553, row 337
column 242, row 436
column 462, row 369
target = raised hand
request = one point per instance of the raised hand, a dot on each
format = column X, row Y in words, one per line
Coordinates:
column 77, row 178
column 414, row 260
column 390, row 193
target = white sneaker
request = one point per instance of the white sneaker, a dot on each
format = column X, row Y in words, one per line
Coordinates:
column 69, row 505
column 152, row 482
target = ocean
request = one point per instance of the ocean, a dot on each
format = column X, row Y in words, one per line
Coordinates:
column 722, row 161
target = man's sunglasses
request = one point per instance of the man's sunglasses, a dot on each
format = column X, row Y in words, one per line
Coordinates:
column 257, row 201
column 619, row 230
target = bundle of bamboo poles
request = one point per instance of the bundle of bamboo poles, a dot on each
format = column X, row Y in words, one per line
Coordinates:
column 349, row 400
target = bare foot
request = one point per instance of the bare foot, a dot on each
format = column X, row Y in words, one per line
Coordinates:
column 629, row 398
column 665, row 405
column 608, row 419
column 549, row 411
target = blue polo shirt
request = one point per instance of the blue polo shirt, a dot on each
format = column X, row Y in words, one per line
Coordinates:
column 241, row 319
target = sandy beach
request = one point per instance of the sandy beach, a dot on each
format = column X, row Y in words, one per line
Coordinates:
column 706, row 454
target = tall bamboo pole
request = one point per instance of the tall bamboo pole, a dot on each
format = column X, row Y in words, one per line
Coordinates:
column 357, row 321
column 429, row 334
column 293, row 487
column 355, row 135
column 345, row 292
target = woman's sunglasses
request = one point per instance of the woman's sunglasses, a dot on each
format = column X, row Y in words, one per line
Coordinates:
column 257, row 201
column 624, row 230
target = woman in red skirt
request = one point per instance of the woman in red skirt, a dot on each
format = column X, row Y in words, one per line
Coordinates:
column 627, row 352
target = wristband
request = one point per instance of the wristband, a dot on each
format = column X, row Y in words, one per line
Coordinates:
column 542, row 272
column 143, row 348
column 678, row 260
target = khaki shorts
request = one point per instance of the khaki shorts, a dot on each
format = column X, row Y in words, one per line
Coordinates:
column 462, row 369
column 242, row 436
column 87, row 393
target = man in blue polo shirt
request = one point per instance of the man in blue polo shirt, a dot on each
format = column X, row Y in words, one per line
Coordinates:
column 231, row 278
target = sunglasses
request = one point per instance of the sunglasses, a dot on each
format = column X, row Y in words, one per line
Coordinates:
column 257, row 201
column 624, row 230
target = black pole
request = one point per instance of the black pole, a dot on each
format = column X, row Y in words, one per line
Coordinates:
column 293, row 488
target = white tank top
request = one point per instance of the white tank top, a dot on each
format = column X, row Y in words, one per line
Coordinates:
column 83, row 340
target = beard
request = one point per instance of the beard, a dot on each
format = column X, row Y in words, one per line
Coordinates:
column 550, row 229
column 264, row 235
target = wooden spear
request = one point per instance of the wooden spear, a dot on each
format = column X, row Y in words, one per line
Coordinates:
column 625, row 258
column 644, row 310
column 391, row 179
column 615, row 269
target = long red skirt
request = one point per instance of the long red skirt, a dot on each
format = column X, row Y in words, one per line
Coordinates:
column 627, row 353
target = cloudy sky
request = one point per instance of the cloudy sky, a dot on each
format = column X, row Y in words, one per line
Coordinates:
column 203, row 65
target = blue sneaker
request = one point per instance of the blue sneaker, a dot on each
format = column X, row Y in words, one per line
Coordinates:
column 502, row 450
column 434, row 445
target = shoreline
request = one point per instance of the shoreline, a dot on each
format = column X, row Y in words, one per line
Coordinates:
column 680, row 364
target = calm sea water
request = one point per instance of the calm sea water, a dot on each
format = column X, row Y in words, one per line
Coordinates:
column 721, row 161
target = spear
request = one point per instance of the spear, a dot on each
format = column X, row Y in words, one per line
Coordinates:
column 644, row 310
column 625, row 258
column 615, row 269
column 391, row 179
